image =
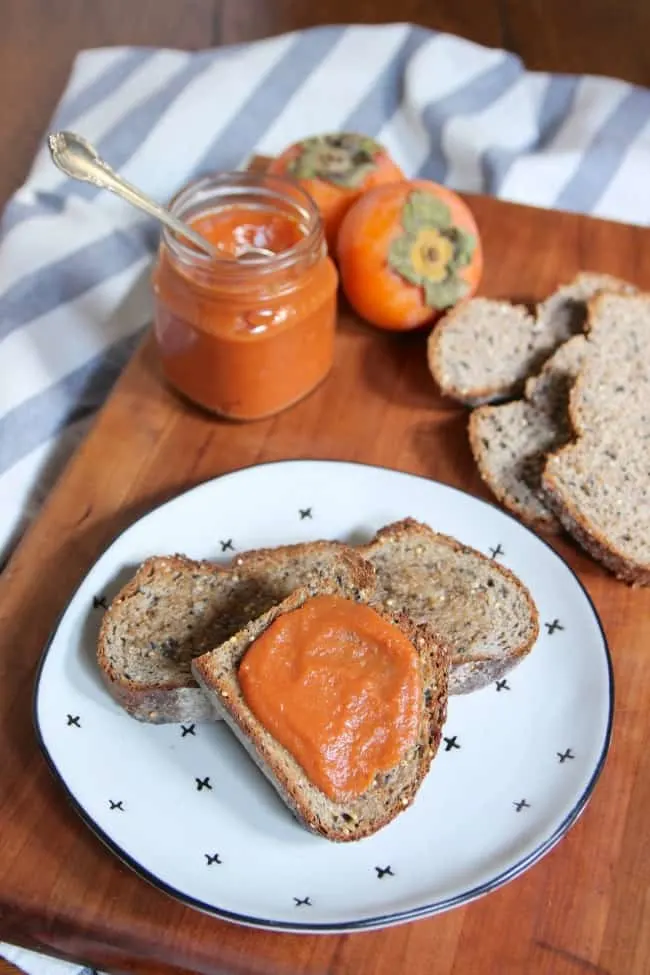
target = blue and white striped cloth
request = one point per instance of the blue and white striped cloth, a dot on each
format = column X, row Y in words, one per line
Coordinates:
column 74, row 263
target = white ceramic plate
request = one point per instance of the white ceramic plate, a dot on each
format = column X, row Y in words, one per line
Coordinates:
column 187, row 809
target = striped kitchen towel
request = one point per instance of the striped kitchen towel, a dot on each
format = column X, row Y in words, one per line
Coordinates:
column 74, row 262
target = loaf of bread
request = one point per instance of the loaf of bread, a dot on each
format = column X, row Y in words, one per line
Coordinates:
column 391, row 792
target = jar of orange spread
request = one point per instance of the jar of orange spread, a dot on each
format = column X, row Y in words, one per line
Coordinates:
column 247, row 334
column 339, row 687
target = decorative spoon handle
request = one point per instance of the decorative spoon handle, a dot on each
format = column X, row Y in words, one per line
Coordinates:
column 77, row 158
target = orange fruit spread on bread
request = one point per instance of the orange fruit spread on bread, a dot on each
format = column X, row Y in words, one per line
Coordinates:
column 339, row 687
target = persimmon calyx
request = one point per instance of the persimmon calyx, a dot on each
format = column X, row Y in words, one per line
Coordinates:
column 431, row 250
column 345, row 159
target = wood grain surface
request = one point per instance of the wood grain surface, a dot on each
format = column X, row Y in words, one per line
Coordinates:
column 583, row 908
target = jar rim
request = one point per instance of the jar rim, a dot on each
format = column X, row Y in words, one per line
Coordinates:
column 268, row 185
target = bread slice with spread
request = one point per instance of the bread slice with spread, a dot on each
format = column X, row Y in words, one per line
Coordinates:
column 354, row 814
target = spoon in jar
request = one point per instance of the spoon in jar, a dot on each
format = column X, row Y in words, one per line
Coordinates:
column 77, row 158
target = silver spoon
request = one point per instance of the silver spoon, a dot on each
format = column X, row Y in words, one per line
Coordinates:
column 77, row 158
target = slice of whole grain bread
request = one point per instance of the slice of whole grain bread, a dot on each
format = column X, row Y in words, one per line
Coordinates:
column 510, row 441
column 612, row 387
column 175, row 609
column 483, row 351
column 482, row 611
column 392, row 791
column 564, row 313
column 599, row 485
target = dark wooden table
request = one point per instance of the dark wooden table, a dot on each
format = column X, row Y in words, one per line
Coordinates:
column 537, row 924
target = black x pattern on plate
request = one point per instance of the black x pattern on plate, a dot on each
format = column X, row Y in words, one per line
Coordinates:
column 384, row 872
column 552, row 627
column 562, row 756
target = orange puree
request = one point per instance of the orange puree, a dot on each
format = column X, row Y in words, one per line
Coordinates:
column 244, row 337
column 236, row 229
column 339, row 687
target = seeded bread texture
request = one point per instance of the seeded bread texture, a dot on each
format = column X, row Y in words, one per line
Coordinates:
column 612, row 387
column 564, row 313
column 175, row 609
column 481, row 610
column 391, row 792
column 483, row 351
column 510, row 441
column 549, row 389
column 599, row 485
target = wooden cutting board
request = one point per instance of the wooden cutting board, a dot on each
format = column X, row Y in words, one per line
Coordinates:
column 585, row 907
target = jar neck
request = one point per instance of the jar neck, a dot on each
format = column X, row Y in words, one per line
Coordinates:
column 273, row 195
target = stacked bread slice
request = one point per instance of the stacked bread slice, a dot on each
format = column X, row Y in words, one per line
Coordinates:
column 175, row 609
column 172, row 640
column 511, row 441
column 599, row 484
column 484, row 351
column 572, row 450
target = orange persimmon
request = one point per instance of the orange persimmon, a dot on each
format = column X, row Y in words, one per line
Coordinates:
column 336, row 169
column 407, row 252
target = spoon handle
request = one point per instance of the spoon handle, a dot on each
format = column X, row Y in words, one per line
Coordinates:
column 108, row 179
column 76, row 158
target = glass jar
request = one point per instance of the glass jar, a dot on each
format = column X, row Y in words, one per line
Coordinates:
column 246, row 335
